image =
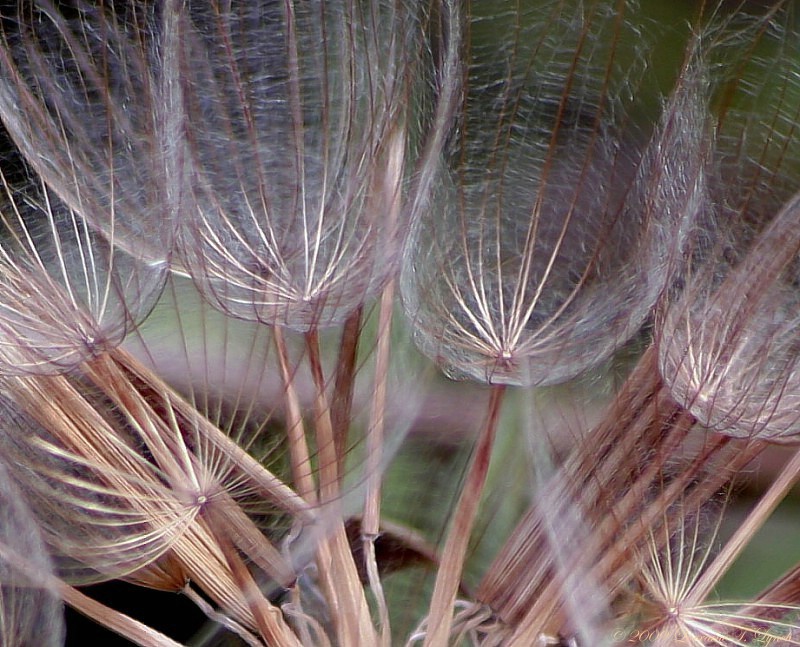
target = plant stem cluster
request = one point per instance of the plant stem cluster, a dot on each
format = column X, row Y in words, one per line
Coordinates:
column 242, row 245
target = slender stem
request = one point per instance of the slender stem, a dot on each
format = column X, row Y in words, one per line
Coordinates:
column 298, row 446
column 326, row 443
column 448, row 577
column 370, row 524
column 338, row 571
column 521, row 570
column 220, row 618
column 269, row 619
column 342, row 401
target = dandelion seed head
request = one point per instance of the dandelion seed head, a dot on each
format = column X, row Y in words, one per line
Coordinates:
column 83, row 95
column 728, row 343
column 295, row 140
column 285, row 162
column 736, row 368
column 102, row 507
column 67, row 294
column 552, row 234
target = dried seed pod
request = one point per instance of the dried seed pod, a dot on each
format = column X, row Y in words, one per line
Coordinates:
column 728, row 344
column 554, row 230
column 84, row 96
column 728, row 349
column 103, row 508
column 295, row 137
column 66, row 293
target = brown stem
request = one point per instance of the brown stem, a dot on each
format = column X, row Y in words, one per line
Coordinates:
column 448, row 577
column 370, row 524
column 299, row 454
column 327, row 450
column 269, row 619
column 338, row 572
column 521, row 569
column 342, row 401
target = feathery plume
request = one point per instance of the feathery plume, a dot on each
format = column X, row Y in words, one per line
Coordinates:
column 553, row 230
